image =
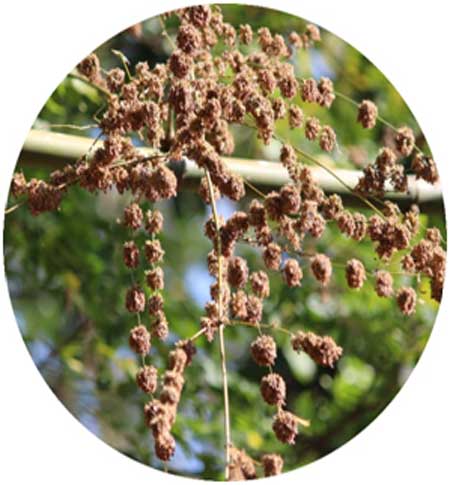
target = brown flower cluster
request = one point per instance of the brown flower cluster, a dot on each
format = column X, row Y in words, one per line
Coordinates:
column 185, row 108
column 323, row 350
column 160, row 414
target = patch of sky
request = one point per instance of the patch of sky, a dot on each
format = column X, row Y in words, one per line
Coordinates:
column 320, row 66
column 196, row 282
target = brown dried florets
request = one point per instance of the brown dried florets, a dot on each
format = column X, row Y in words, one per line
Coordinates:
column 296, row 40
column 288, row 156
column 360, row 226
column 245, row 34
column 188, row 348
column 135, row 300
column 272, row 464
column 254, row 309
column 399, row 179
column 313, row 32
column 199, row 15
column 425, row 168
column 115, row 79
column 290, row 199
column 433, row 234
column 408, row 263
column 295, row 116
column 327, row 138
column 326, row 92
column 177, row 364
column 238, row 305
column 180, row 64
column 264, row 350
column 384, row 283
column 312, row 128
column 189, row 38
column 406, row 300
column 131, row 254
column 272, row 204
column 346, row 223
column 287, row 82
column 272, row 256
column 323, row 350
column 153, row 251
column 90, row 67
column 18, row 184
column 355, row 273
column 267, row 81
column 42, row 197
column 385, row 160
column 310, row 92
column 241, row 465
column 404, row 140
column 133, row 216
column 139, row 340
column 322, row 268
column 367, row 113
column 237, row 272
column 147, row 379
column 210, row 327
column 292, row 272
column 155, row 304
column 332, row 207
column 260, row 284
column 154, row 221
column 273, row 389
column 165, row 446
column 285, row 427
column 160, row 326
column 155, row 278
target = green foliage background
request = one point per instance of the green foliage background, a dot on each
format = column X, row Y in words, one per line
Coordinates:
column 67, row 284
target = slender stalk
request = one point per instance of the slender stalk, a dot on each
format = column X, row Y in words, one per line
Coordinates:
column 258, row 326
column 197, row 335
column 380, row 118
column 226, row 402
column 73, row 127
column 14, row 207
column 256, row 190
column 86, row 80
column 334, row 175
column 124, row 61
column 165, row 33
column 223, row 357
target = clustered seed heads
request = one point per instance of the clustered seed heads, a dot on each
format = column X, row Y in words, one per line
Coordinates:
column 273, row 389
column 184, row 108
column 264, row 350
column 367, row 113
column 323, row 350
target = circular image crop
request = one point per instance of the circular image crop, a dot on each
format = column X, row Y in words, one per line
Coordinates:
column 224, row 242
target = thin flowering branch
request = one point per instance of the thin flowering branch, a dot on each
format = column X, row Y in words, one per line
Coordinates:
column 380, row 118
column 165, row 33
column 223, row 358
column 333, row 174
column 84, row 79
column 258, row 326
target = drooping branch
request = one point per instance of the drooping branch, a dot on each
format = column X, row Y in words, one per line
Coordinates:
column 54, row 150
